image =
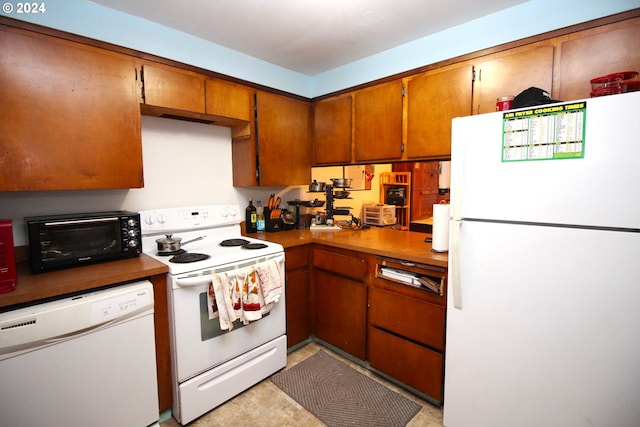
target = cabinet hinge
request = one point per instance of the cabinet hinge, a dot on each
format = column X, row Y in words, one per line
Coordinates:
column 404, row 91
column 473, row 74
column 402, row 148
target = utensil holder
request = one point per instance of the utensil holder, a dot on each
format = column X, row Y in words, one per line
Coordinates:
column 272, row 224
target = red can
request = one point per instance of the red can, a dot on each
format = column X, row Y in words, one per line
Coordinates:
column 504, row 103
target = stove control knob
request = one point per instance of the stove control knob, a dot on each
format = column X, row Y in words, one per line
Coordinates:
column 162, row 218
column 232, row 212
column 149, row 220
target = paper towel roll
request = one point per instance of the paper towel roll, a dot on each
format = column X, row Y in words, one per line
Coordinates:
column 440, row 233
column 444, row 175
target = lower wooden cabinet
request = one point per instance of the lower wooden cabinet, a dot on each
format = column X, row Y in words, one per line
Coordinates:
column 406, row 327
column 415, row 365
column 340, row 299
column 341, row 313
column 298, row 294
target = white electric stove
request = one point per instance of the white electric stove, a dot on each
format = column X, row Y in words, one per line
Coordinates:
column 209, row 364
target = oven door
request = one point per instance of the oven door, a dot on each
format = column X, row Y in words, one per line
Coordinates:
column 198, row 342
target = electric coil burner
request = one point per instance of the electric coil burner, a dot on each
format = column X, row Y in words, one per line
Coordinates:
column 234, row 242
column 211, row 364
column 186, row 257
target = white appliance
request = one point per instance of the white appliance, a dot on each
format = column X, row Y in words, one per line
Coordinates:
column 82, row 360
column 210, row 365
column 544, row 268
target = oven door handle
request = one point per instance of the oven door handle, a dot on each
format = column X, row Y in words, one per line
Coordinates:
column 192, row 282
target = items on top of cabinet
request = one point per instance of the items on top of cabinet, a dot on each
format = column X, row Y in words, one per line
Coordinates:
column 612, row 84
column 532, row 96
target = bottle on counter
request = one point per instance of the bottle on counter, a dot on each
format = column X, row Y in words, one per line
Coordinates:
column 251, row 218
column 260, row 216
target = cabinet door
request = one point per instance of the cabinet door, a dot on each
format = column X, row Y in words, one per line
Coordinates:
column 284, row 140
column 298, row 290
column 509, row 74
column 378, row 122
column 173, row 88
column 332, row 120
column 433, row 99
column 341, row 312
column 228, row 99
column 70, row 116
column 586, row 58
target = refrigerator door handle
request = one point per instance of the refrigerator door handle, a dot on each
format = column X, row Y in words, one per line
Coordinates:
column 455, row 265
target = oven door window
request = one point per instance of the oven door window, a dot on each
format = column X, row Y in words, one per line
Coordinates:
column 94, row 240
column 210, row 328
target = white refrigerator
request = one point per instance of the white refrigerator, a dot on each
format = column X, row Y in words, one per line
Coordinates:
column 543, row 317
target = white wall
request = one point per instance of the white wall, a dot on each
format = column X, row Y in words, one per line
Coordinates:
column 184, row 164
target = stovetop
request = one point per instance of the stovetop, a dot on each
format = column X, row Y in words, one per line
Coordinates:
column 216, row 223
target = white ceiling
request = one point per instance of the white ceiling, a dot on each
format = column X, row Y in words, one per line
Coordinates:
column 309, row 36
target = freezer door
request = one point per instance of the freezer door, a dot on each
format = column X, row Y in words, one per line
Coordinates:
column 548, row 330
column 597, row 190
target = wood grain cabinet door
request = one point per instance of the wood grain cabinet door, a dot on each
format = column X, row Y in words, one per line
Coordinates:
column 70, row 116
column 173, row 88
column 598, row 55
column 508, row 74
column 228, row 99
column 378, row 122
column 332, row 126
column 284, row 140
column 433, row 99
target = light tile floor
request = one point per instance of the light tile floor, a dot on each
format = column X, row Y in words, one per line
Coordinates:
column 266, row 405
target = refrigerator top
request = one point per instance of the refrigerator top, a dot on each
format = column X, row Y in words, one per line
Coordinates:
column 597, row 187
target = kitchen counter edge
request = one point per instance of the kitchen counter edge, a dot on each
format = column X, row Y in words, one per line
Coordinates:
column 403, row 245
column 34, row 287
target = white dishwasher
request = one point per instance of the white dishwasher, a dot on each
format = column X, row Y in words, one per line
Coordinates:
column 83, row 360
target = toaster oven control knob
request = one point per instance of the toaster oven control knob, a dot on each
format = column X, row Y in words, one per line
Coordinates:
column 131, row 222
column 132, row 233
column 133, row 243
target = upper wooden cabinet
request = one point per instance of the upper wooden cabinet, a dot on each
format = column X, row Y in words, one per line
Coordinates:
column 332, row 130
column 173, row 88
column 172, row 92
column 70, row 115
column 433, row 99
column 281, row 155
column 600, row 54
column 228, row 99
column 378, row 122
column 509, row 73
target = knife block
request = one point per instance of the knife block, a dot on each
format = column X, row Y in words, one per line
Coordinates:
column 272, row 224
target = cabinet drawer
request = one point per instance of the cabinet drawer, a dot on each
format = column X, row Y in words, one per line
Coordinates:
column 414, row 365
column 353, row 267
column 418, row 320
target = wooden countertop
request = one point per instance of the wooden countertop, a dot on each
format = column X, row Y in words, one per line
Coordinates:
column 404, row 245
column 33, row 287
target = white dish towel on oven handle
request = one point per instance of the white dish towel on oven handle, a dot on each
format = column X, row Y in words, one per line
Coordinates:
column 270, row 280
